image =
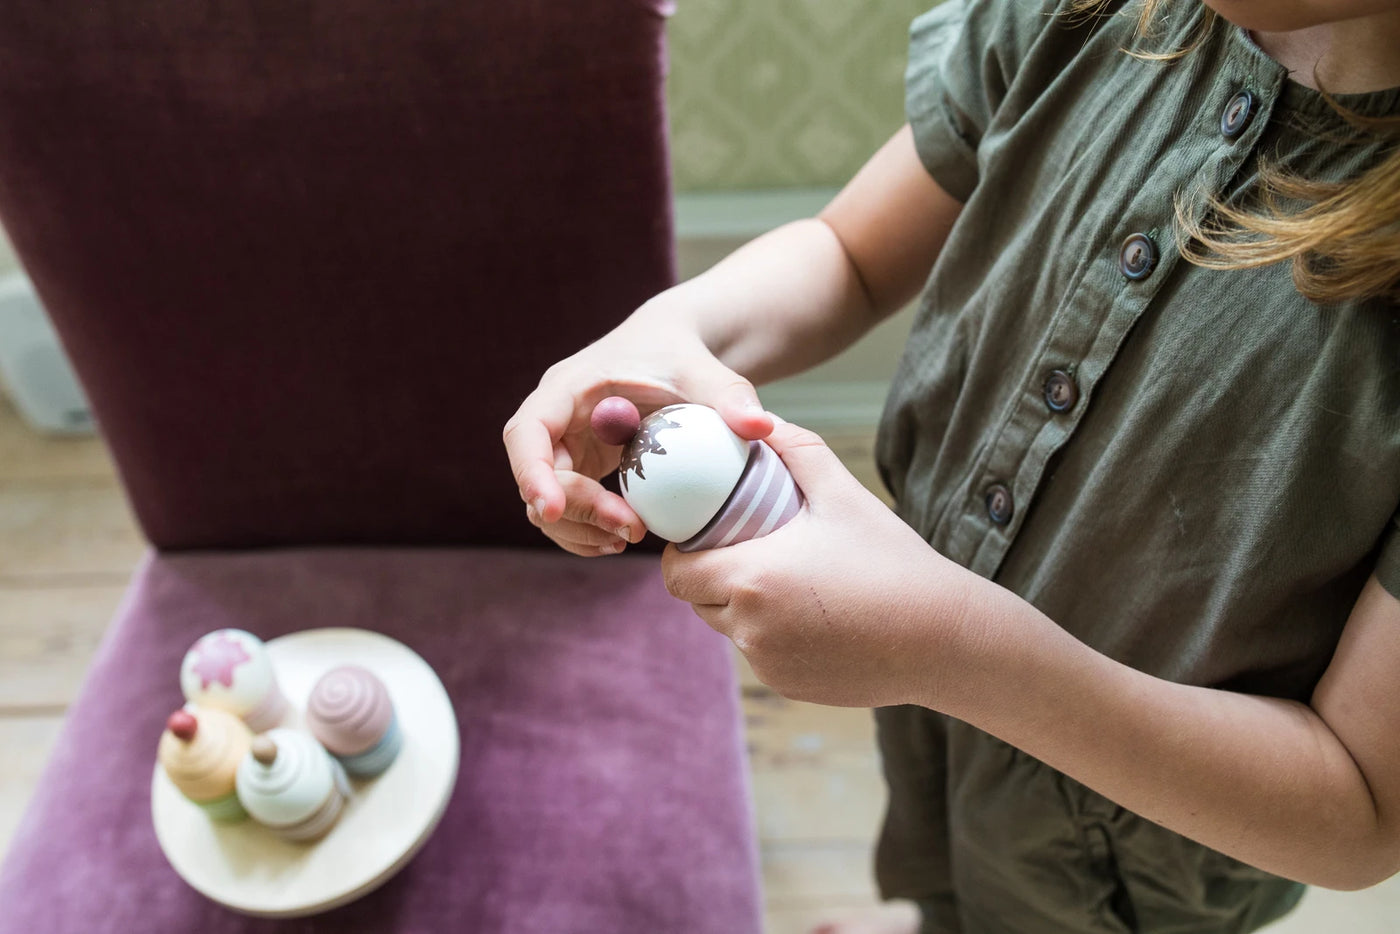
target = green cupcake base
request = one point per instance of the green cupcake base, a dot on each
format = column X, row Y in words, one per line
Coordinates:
column 226, row 809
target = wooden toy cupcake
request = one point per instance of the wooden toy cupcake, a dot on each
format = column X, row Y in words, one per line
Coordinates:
column 200, row 751
column 351, row 714
column 229, row 669
column 692, row 479
column 290, row 784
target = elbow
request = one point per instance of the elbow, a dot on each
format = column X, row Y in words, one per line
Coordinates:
column 1362, row 866
column 872, row 307
column 1364, row 877
column 1355, row 881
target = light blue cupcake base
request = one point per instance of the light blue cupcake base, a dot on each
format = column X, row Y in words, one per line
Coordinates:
column 378, row 757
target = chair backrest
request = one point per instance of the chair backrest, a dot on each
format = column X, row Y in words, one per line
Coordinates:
column 308, row 257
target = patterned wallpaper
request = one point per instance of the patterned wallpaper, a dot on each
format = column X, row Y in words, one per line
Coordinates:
column 784, row 93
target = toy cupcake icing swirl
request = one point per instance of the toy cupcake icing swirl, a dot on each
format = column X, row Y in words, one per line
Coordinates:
column 288, row 783
column 229, row 669
column 351, row 713
column 200, row 751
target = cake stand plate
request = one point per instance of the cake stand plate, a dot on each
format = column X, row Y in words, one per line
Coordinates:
column 246, row 867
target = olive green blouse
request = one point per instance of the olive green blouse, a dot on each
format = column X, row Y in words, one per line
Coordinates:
column 1192, row 471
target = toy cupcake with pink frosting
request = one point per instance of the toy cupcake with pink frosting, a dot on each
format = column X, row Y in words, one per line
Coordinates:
column 200, row 751
column 230, row 669
column 351, row 714
column 290, row 784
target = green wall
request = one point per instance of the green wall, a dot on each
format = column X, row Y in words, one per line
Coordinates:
column 784, row 93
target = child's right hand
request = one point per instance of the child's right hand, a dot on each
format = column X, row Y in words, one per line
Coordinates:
column 652, row 359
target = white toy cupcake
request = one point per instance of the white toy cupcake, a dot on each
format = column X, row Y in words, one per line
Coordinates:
column 351, row 714
column 692, row 479
column 229, row 669
column 200, row 751
column 289, row 783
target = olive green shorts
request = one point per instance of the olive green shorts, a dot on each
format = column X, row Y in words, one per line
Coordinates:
column 991, row 841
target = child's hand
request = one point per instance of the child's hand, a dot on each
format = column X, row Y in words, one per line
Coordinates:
column 845, row 605
column 557, row 459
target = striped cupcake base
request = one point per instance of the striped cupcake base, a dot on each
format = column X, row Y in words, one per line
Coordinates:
column 377, row 758
column 764, row 499
column 227, row 809
column 319, row 822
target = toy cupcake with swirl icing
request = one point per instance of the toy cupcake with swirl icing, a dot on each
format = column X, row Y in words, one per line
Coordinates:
column 200, row 751
column 290, row 784
column 351, row 714
column 229, row 669
column 692, row 480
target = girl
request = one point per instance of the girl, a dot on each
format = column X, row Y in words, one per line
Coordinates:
column 1132, row 633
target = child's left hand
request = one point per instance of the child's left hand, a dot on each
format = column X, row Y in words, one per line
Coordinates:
column 845, row 605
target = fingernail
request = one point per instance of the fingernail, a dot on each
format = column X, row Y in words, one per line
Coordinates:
column 752, row 407
column 623, row 533
column 615, row 547
column 539, row 507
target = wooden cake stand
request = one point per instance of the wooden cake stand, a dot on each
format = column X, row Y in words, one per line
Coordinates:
column 246, row 867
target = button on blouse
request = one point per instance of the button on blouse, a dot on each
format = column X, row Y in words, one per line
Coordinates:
column 1236, row 115
column 1000, row 505
column 1138, row 256
column 1060, row 391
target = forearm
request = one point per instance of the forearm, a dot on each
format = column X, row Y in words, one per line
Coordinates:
column 778, row 305
column 1262, row 779
column 806, row 291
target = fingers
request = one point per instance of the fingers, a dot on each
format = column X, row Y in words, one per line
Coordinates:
column 716, row 617
column 814, row 467
column 530, row 438
column 699, row 577
column 593, row 521
column 587, row 502
column 704, row 579
column 729, row 394
column 577, row 537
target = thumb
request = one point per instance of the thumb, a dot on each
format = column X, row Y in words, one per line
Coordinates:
column 814, row 466
column 728, row 393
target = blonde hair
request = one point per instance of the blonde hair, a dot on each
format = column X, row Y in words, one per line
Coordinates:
column 1343, row 242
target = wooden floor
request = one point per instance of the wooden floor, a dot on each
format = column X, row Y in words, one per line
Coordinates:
column 68, row 546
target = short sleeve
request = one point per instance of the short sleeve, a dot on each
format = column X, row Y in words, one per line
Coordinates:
column 1388, row 559
column 964, row 55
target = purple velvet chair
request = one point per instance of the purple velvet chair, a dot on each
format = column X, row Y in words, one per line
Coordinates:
column 307, row 258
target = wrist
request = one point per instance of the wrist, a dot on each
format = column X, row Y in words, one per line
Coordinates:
column 676, row 309
column 972, row 625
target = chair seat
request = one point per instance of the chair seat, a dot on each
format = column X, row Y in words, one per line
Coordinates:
column 602, row 785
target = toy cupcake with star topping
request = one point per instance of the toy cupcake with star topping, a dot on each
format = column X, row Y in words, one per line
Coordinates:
column 290, row 784
column 351, row 714
column 229, row 669
column 692, row 480
column 200, row 751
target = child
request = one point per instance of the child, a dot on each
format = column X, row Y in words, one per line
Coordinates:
column 1132, row 634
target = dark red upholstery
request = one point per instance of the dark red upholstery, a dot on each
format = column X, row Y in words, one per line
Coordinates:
column 599, row 791
column 307, row 258
column 342, row 237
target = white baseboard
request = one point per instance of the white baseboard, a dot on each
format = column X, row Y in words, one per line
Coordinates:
column 33, row 367
column 744, row 214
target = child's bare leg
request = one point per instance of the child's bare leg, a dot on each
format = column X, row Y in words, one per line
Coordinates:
column 897, row 917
